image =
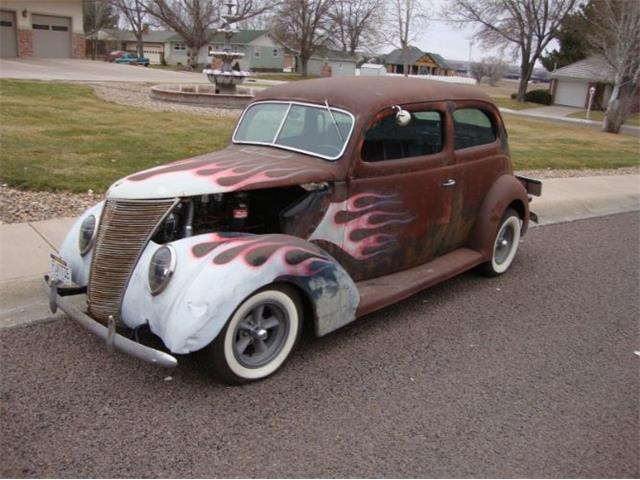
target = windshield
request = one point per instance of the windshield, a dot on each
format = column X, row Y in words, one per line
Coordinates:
column 300, row 127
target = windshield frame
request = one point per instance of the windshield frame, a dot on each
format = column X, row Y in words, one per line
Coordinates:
column 289, row 104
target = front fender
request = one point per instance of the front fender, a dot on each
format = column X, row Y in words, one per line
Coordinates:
column 216, row 272
column 69, row 250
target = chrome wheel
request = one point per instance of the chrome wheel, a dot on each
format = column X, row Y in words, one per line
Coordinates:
column 260, row 335
column 504, row 243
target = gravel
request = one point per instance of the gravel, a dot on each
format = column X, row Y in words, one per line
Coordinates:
column 17, row 206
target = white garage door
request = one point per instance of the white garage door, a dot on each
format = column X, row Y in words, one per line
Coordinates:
column 51, row 36
column 571, row 94
column 8, row 43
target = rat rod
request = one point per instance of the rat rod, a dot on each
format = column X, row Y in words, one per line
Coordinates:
column 336, row 197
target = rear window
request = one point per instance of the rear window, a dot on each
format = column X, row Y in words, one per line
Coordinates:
column 386, row 140
column 472, row 127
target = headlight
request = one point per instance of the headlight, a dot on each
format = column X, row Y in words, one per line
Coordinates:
column 87, row 234
column 161, row 267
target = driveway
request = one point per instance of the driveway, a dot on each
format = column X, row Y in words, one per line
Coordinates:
column 89, row 71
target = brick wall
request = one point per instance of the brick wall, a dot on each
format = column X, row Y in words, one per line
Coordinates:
column 78, row 44
column 25, row 43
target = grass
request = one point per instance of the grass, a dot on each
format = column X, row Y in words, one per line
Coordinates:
column 599, row 116
column 506, row 102
column 537, row 144
column 56, row 136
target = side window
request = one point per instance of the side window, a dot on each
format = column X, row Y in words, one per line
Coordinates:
column 472, row 127
column 388, row 141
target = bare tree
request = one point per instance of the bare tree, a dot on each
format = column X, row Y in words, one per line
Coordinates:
column 98, row 14
column 494, row 69
column 358, row 24
column 135, row 14
column 526, row 25
column 477, row 71
column 616, row 37
column 195, row 20
column 404, row 17
column 304, row 26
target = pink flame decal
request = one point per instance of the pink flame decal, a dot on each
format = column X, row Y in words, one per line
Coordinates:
column 367, row 220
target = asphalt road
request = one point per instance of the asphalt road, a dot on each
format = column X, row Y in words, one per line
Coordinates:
column 531, row 374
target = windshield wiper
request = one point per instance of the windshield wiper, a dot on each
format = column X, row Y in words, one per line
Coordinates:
column 335, row 122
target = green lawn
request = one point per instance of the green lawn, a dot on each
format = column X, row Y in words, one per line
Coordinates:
column 56, row 136
column 61, row 136
column 599, row 116
column 537, row 144
column 507, row 102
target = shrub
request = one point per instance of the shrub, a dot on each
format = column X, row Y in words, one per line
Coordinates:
column 539, row 96
column 513, row 96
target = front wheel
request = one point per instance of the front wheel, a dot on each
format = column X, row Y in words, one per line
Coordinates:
column 505, row 245
column 258, row 338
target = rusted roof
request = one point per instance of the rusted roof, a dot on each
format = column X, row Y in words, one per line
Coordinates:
column 363, row 95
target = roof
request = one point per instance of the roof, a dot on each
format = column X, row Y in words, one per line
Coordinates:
column 413, row 55
column 153, row 36
column 369, row 94
column 242, row 37
column 593, row 69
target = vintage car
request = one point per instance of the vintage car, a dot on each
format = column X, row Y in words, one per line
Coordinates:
column 335, row 198
column 132, row 59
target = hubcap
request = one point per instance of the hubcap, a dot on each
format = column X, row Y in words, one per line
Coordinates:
column 260, row 336
column 504, row 243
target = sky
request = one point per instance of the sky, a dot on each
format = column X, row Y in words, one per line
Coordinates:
column 453, row 41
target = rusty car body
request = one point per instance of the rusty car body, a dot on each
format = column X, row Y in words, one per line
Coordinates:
column 335, row 198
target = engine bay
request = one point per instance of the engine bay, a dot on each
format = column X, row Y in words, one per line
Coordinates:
column 289, row 210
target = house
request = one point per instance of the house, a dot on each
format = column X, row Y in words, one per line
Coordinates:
column 41, row 28
column 419, row 62
column 153, row 42
column 570, row 85
column 262, row 52
column 342, row 63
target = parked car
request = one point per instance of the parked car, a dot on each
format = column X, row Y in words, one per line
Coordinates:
column 335, row 198
column 132, row 59
column 112, row 56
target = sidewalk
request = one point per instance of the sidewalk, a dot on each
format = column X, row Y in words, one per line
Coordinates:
column 25, row 247
column 555, row 114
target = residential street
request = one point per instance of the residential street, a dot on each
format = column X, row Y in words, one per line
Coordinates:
column 532, row 374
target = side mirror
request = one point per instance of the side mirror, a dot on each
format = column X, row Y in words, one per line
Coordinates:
column 403, row 118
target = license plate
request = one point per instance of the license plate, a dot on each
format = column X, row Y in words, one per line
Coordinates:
column 60, row 270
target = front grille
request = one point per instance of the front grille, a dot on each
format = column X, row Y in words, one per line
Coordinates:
column 125, row 228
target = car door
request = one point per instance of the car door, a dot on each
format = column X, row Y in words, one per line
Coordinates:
column 401, row 193
column 480, row 154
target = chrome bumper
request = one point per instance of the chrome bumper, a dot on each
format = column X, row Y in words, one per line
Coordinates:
column 112, row 339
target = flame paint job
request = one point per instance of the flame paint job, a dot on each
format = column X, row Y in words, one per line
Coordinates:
column 233, row 169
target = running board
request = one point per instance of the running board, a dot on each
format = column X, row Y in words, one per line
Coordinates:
column 377, row 293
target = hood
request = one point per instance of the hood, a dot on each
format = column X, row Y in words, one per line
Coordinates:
column 238, row 167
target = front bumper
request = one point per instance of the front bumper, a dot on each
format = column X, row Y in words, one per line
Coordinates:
column 112, row 339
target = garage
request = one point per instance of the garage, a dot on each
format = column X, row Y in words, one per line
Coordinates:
column 8, row 35
column 51, row 36
column 571, row 94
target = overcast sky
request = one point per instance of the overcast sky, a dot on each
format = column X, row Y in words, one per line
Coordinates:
column 452, row 41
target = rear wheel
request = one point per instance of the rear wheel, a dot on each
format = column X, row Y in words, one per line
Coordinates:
column 505, row 245
column 258, row 338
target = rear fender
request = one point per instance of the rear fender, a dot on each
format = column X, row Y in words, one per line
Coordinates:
column 505, row 191
column 216, row 272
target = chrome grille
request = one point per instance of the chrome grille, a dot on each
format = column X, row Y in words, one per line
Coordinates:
column 125, row 229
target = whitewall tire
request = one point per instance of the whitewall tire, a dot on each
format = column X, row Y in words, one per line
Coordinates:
column 505, row 244
column 258, row 337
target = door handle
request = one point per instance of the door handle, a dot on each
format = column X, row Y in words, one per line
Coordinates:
column 449, row 183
